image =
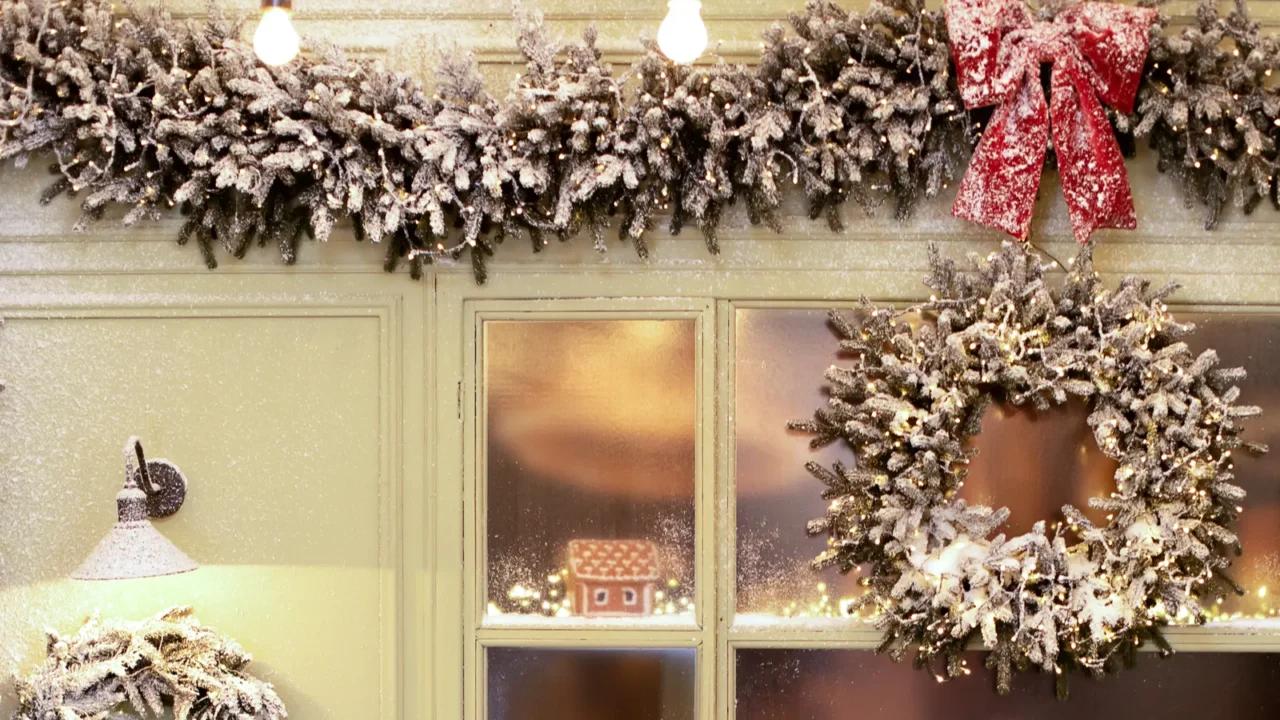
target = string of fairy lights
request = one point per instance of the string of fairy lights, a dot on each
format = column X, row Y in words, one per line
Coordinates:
column 549, row 598
column 818, row 602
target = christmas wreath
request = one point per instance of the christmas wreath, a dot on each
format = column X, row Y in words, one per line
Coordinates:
column 168, row 660
column 1072, row 596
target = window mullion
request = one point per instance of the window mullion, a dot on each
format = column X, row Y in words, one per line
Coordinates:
column 725, row 527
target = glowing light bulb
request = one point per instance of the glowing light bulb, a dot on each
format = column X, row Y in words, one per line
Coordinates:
column 276, row 41
column 682, row 35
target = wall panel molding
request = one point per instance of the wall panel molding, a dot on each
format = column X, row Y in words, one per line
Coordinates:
column 174, row 301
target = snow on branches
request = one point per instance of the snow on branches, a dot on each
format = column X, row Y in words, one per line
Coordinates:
column 144, row 112
column 152, row 115
column 1211, row 109
column 1070, row 596
column 170, row 660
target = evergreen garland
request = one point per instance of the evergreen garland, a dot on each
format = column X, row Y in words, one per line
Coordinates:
column 1074, row 596
column 143, row 112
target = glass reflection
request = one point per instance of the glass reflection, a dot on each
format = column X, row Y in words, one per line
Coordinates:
column 841, row 684
column 1032, row 462
column 542, row 684
column 590, row 458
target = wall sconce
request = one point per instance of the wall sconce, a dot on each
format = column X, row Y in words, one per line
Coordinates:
column 134, row 548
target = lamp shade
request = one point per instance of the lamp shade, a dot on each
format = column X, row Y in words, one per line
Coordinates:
column 133, row 548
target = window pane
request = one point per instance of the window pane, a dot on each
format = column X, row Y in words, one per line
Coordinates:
column 1251, row 341
column 780, row 358
column 853, row 684
column 1030, row 462
column 590, row 490
column 540, row 684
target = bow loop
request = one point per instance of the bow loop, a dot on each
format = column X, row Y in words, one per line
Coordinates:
column 1114, row 39
column 1097, row 51
column 975, row 29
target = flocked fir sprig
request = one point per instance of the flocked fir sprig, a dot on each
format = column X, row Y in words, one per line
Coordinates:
column 1210, row 106
column 1070, row 596
column 168, row 662
column 567, row 163
column 878, row 108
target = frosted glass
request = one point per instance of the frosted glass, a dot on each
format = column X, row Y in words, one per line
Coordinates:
column 590, row 439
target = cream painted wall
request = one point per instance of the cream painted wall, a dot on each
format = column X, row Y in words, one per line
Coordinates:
column 275, row 415
column 299, row 402
column 287, row 400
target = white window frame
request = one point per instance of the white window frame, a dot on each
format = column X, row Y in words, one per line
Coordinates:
column 712, row 296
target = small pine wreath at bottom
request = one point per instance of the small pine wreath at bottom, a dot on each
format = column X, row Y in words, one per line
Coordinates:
column 1072, row 596
column 168, row 665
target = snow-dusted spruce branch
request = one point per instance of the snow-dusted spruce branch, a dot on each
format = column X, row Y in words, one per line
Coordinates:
column 1075, row 596
column 1210, row 107
column 141, row 111
column 168, row 661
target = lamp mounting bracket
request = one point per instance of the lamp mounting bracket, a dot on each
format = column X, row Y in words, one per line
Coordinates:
column 164, row 483
column 168, row 488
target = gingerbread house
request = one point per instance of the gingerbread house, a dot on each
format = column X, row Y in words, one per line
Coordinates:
column 613, row 578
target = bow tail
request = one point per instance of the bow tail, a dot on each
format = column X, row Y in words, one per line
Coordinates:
column 1094, row 180
column 999, row 188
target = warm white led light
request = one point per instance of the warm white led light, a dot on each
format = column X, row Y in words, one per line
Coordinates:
column 682, row 35
column 276, row 41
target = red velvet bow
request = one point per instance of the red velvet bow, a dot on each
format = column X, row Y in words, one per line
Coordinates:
column 1097, row 51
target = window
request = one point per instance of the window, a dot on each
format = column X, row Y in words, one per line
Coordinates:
column 602, row 427
column 1032, row 463
column 590, row 462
